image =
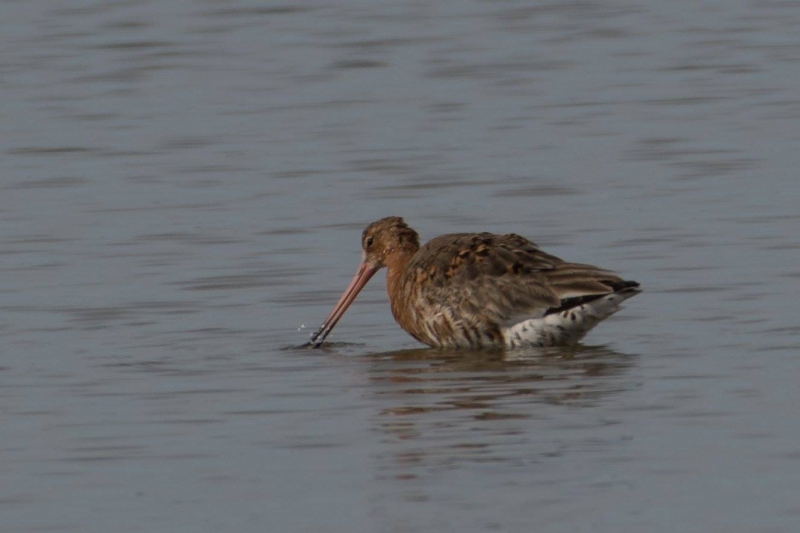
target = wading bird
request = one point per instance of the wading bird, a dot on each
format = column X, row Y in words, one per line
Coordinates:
column 481, row 290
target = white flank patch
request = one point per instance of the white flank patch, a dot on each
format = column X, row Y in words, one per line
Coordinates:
column 566, row 327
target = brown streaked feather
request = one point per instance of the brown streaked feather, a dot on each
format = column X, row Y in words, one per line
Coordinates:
column 491, row 280
column 575, row 279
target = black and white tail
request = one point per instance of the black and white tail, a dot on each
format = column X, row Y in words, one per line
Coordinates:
column 568, row 323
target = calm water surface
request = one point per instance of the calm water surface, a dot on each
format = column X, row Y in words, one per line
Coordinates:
column 182, row 193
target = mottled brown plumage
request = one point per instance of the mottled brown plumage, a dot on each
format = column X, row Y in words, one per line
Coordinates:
column 481, row 290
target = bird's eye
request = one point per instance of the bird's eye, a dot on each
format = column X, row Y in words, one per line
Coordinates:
column 369, row 241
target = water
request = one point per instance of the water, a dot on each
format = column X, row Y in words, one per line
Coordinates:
column 182, row 194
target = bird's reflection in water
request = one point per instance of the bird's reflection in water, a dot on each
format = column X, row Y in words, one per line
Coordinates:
column 439, row 408
column 471, row 379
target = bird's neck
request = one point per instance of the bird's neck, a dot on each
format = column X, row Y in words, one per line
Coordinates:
column 396, row 265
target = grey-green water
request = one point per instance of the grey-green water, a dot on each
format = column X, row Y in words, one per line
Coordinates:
column 182, row 193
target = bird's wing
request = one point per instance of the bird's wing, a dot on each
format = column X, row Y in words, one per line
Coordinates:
column 504, row 278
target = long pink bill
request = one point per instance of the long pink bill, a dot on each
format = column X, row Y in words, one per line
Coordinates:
column 361, row 278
